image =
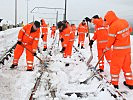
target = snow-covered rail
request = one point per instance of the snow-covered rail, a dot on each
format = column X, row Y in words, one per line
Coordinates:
column 42, row 71
column 7, row 54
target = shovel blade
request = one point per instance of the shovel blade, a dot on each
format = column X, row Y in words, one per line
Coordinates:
column 89, row 60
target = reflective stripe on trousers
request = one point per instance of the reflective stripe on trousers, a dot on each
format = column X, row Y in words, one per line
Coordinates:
column 114, row 79
column 121, row 47
column 128, row 76
column 15, row 61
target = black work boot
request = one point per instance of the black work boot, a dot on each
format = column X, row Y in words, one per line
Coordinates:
column 30, row 69
column 78, row 45
column 100, row 70
column 82, row 47
column 129, row 86
column 44, row 49
column 13, row 66
column 67, row 64
column 116, row 86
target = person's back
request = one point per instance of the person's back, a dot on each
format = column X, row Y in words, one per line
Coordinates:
column 122, row 32
column 66, row 34
column 44, row 26
column 28, row 32
column 82, row 28
column 119, row 38
column 53, row 28
column 101, row 32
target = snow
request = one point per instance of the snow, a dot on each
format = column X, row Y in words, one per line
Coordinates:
column 17, row 84
column 4, row 22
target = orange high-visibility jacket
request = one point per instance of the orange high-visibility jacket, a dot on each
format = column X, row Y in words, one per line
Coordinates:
column 65, row 35
column 119, row 38
column 101, row 32
column 72, row 34
column 82, row 28
column 28, row 38
column 119, row 32
column 61, row 36
column 73, row 28
column 44, row 27
column 53, row 28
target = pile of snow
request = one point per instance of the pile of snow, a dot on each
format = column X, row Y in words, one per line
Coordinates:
column 5, row 22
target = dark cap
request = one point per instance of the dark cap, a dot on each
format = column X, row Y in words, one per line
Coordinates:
column 83, row 20
column 59, row 24
column 37, row 24
column 95, row 16
column 65, row 21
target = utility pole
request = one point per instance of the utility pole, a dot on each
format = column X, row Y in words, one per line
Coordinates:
column 56, row 17
column 65, row 9
column 27, row 11
column 15, row 13
column 33, row 18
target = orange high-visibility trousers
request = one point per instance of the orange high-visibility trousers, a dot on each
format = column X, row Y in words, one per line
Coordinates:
column 45, row 40
column 121, row 59
column 107, row 56
column 52, row 34
column 81, row 38
column 65, row 54
column 70, row 45
column 29, row 56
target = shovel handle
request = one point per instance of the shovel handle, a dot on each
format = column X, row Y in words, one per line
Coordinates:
column 31, row 52
column 99, row 60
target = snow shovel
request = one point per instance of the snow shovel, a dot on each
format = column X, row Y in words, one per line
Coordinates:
column 42, row 62
column 91, row 57
column 93, row 70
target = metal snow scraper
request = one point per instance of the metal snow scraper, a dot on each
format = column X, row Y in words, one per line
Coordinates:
column 91, row 57
column 42, row 62
column 93, row 70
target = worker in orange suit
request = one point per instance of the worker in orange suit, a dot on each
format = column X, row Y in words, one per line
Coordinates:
column 73, row 28
column 71, row 39
column 119, row 38
column 61, row 38
column 53, row 30
column 82, row 29
column 28, row 38
column 101, row 35
column 64, row 24
column 65, row 36
column 44, row 29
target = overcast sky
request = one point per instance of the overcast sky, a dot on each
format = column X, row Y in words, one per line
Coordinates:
column 76, row 9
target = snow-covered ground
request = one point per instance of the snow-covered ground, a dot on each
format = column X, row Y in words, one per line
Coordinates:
column 58, row 80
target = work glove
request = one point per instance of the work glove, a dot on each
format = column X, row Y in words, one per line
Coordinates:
column 42, row 36
column 19, row 42
column 63, row 49
column 61, row 30
column 34, row 54
column 77, row 33
column 91, row 42
column 62, row 39
column 88, row 19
